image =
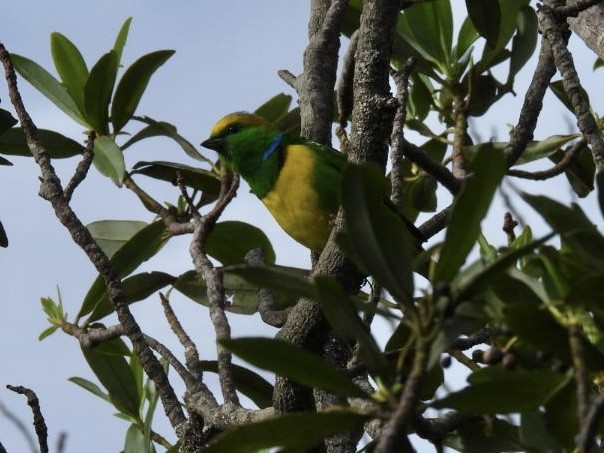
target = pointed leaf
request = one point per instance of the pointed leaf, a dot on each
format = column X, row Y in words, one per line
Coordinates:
column 70, row 65
column 221, row 246
column 13, row 142
column 142, row 246
column 6, row 121
column 486, row 16
column 50, row 87
column 469, row 208
column 377, row 239
column 132, row 85
column 136, row 288
column 90, row 386
column 275, row 108
column 97, row 92
column 120, row 40
column 109, row 159
column 135, row 441
column 277, row 278
column 251, row 384
column 167, row 130
column 112, row 370
column 307, row 369
column 300, row 432
column 197, row 178
column 340, row 312
column 496, row 390
column 112, row 234
column 524, row 41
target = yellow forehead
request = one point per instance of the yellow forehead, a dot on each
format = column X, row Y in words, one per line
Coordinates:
column 240, row 118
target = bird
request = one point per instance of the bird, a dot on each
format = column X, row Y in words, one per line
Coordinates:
column 296, row 179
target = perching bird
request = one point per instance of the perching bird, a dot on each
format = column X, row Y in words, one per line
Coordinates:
column 297, row 180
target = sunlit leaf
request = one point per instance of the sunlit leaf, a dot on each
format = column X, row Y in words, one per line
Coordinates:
column 13, row 142
column 70, row 65
column 50, row 87
column 109, row 159
column 307, row 369
column 112, row 234
column 132, row 85
column 97, row 92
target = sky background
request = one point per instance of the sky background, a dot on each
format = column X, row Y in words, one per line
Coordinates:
column 228, row 55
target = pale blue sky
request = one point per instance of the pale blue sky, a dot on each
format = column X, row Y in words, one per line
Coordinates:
column 228, row 53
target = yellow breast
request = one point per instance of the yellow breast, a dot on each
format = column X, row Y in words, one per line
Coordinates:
column 294, row 203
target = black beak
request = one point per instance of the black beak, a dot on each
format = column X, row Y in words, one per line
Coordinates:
column 217, row 144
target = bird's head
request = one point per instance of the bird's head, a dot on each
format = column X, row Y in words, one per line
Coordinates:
column 244, row 141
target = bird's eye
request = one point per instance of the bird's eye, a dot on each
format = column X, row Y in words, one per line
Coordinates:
column 233, row 129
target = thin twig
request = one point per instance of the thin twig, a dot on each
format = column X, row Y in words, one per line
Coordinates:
column 566, row 161
column 441, row 173
column 479, row 337
column 39, row 423
column 575, row 341
column 393, row 434
column 287, row 77
column 589, row 428
column 52, row 191
column 554, row 31
column 532, row 105
column 436, row 223
column 182, row 371
column 82, row 168
column 397, row 138
column 214, row 281
column 191, row 351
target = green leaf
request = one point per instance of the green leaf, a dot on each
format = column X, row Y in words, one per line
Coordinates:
column 524, row 41
column 375, row 237
column 496, row 390
column 161, row 128
column 13, row 142
column 428, row 27
column 112, row 234
column 47, row 332
column 466, row 37
column 132, row 85
column 581, row 171
column 307, row 368
column 109, row 159
column 120, row 40
column 277, row 278
column 197, row 178
column 469, row 208
column 135, row 441
column 112, row 370
column 251, row 384
column 275, row 108
column 557, row 88
column 340, row 312
column 486, row 16
column 6, row 121
column 90, row 386
column 70, row 65
column 97, row 92
column 294, row 431
column 479, row 435
column 142, row 246
column 231, row 240
column 485, row 91
column 534, row 432
column 50, row 87
column 136, row 288
column 243, row 296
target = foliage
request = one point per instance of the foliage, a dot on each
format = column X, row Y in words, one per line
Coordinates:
column 531, row 299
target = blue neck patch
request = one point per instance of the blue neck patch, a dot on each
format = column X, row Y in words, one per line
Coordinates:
column 273, row 146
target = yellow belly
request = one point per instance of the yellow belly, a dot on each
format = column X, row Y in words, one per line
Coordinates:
column 294, row 203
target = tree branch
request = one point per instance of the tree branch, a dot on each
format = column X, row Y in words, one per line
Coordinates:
column 566, row 161
column 52, row 191
column 553, row 31
column 39, row 423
